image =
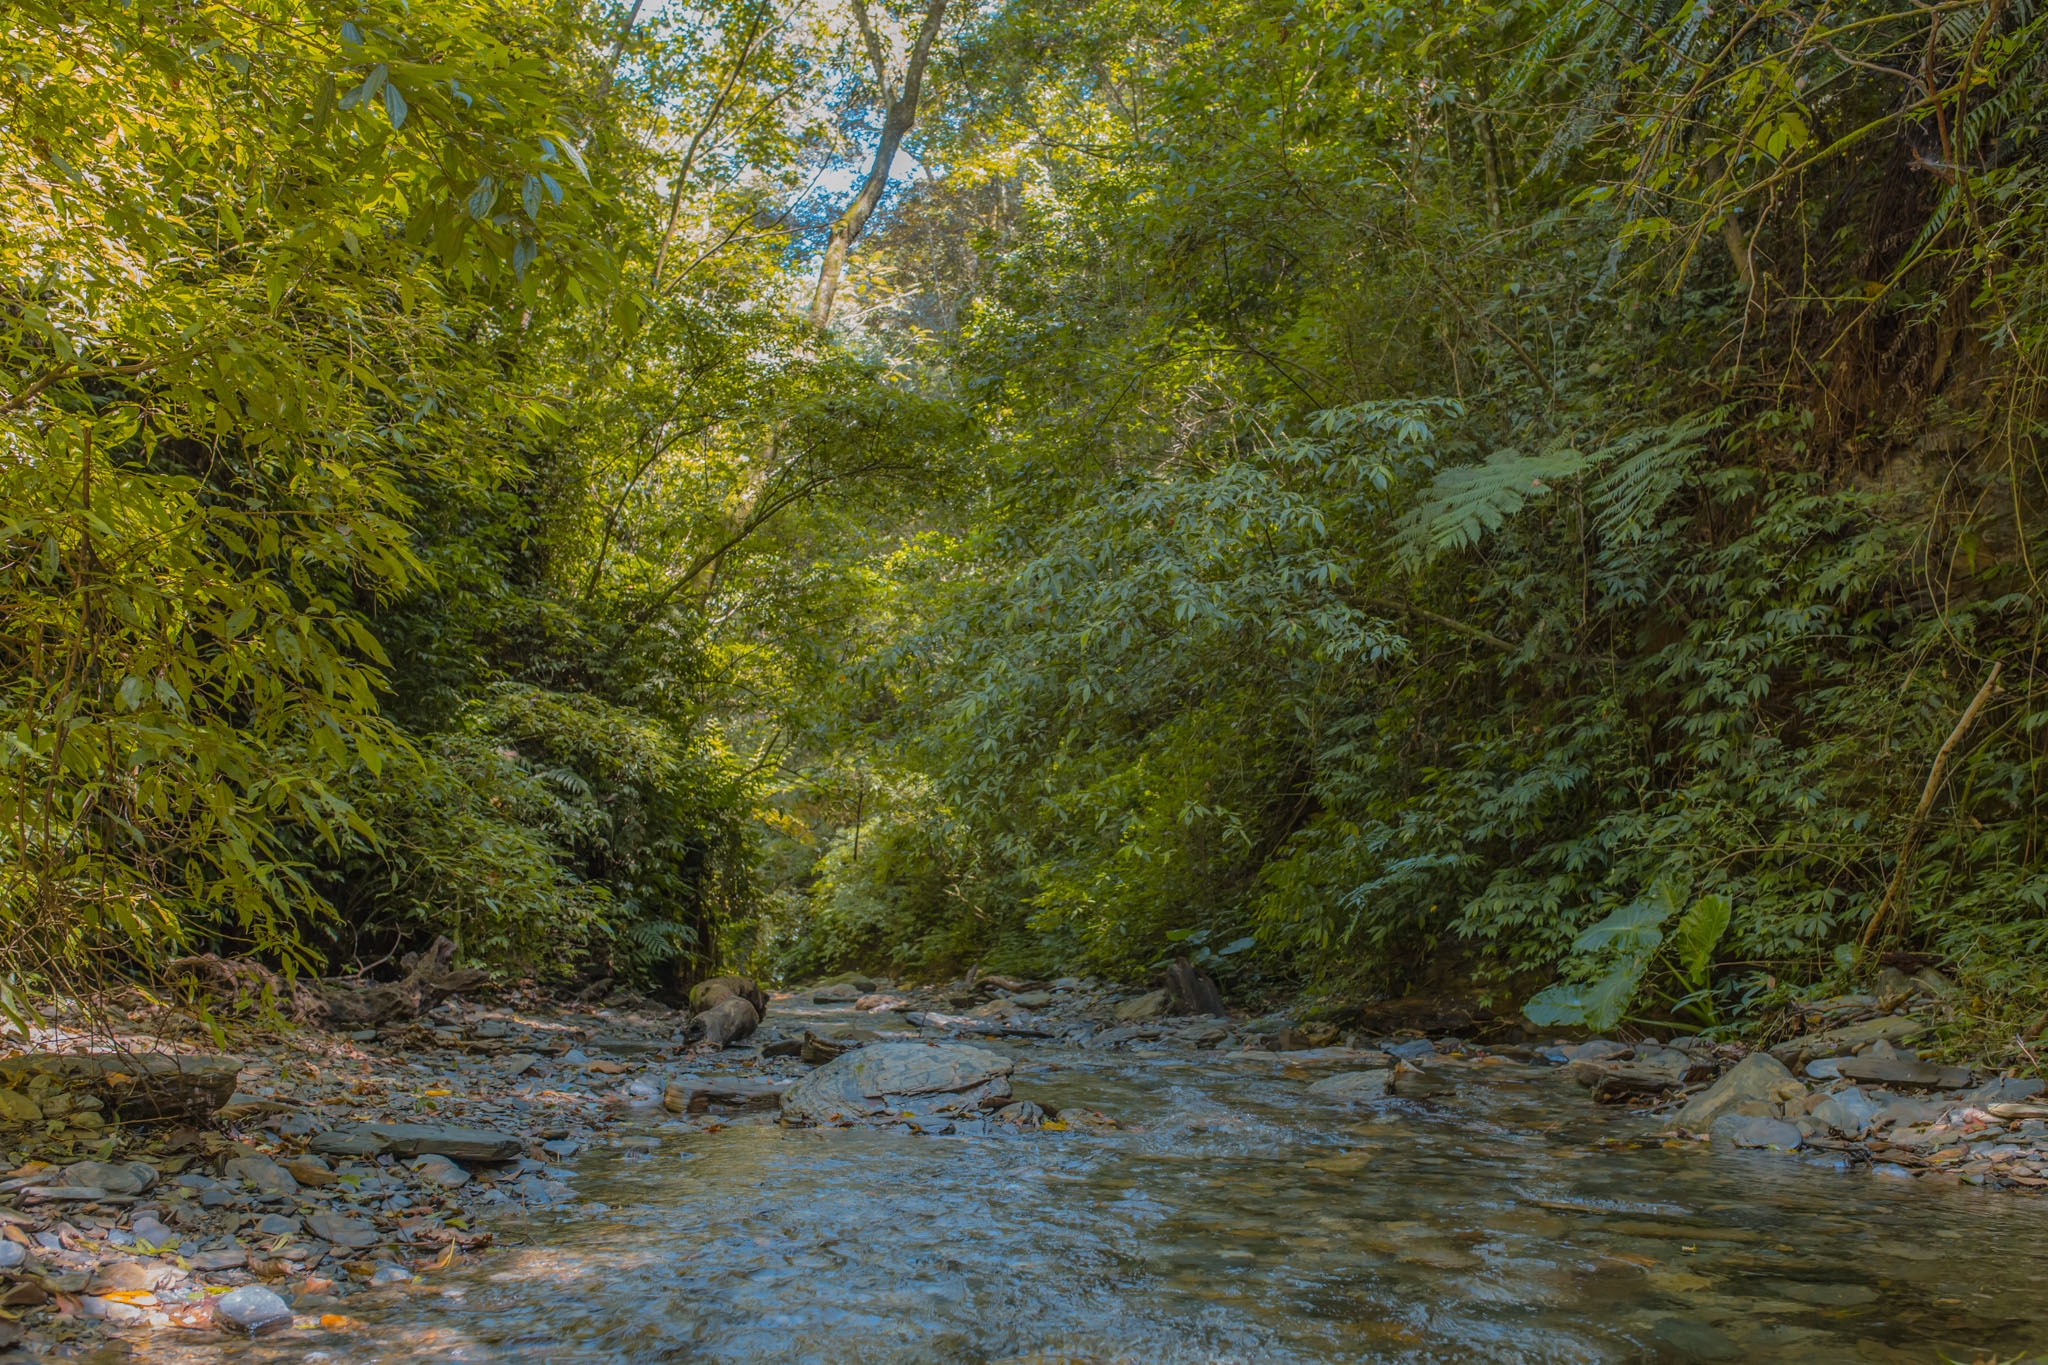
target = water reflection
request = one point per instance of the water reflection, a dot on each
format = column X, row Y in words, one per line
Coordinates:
column 1505, row 1221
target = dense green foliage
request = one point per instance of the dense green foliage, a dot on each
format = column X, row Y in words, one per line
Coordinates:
column 1517, row 496
column 1455, row 469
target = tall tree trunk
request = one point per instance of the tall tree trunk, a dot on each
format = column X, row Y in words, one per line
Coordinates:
column 899, row 118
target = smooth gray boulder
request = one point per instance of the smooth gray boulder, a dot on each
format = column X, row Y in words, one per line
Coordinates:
column 728, row 1021
column 343, row 1232
column 883, row 1080
column 1752, row 1078
column 132, row 1177
column 1150, row 1005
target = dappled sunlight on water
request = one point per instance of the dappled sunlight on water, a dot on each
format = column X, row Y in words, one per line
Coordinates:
column 1507, row 1220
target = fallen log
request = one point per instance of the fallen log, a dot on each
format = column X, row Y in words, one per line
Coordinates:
column 431, row 979
column 335, row 1002
column 726, row 1094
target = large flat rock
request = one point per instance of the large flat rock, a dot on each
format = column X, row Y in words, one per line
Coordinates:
column 418, row 1139
column 1905, row 1071
column 887, row 1079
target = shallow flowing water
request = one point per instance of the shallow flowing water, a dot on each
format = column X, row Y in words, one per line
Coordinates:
column 1507, row 1220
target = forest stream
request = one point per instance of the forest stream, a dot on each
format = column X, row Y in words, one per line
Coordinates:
column 1224, row 1220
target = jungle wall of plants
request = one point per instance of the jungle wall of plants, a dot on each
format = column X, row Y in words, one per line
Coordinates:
column 1537, row 500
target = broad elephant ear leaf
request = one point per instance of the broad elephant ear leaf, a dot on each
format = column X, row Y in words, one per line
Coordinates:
column 1600, row 1005
column 1559, row 1006
column 1609, row 998
column 1632, row 928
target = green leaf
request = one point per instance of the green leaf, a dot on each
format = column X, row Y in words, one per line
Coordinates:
column 1557, row 1006
column 394, row 106
column 1609, row 998
column 1632, row 927
column 1598, row 1006
column 1697, row 934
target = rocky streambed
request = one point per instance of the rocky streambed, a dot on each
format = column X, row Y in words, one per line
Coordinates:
column 981, row 1174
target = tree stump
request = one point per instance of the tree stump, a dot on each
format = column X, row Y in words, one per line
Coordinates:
column 1193, row 990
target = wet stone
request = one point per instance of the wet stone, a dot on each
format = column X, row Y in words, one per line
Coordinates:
column 1351, row 1087
column 277, row 1225
column 1746, row 1131
column 895, row 1078
column 252, row 1309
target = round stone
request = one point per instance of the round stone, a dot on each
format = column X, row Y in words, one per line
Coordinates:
column 252, row 1309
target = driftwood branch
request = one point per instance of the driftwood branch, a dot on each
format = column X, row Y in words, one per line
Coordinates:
column 1896, row 889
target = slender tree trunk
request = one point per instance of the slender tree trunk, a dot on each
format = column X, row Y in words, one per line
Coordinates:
column 898, row 119
column 1489, row 163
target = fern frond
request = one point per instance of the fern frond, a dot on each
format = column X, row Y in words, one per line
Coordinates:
column 1465, row 504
